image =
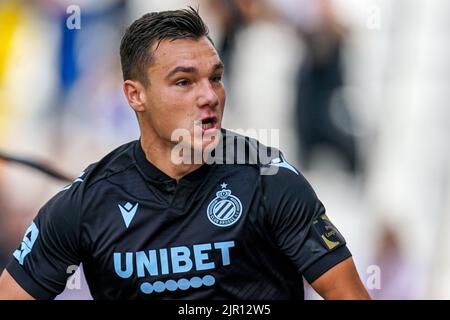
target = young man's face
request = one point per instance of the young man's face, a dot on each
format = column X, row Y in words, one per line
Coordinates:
column 185, row 90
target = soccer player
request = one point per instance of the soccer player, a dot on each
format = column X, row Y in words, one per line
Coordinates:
column 148, row 226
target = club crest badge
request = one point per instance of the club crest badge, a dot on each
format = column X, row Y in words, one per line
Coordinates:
column 225, row 209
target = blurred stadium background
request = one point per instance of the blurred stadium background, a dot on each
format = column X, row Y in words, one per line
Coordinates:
column 359, row 90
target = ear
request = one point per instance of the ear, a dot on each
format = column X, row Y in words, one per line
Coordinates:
column 135, row 94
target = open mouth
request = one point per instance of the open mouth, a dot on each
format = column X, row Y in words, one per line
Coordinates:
column 209, row 123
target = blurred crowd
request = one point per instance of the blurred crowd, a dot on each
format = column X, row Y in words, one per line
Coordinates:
column 358, row 90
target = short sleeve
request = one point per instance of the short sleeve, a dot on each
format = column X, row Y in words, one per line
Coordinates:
column 299, row 224
column 50, row 247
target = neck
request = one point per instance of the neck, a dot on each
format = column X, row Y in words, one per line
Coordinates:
column 159, row 154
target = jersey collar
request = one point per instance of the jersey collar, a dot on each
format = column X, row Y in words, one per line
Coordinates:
column 154, row 174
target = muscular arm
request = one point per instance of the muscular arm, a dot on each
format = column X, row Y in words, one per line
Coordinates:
column 11, row 290
column 341, row 283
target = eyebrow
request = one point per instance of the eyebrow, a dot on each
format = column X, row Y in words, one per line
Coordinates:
column 184, row 69
column 218, row 66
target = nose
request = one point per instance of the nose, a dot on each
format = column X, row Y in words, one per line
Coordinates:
column 207, row 96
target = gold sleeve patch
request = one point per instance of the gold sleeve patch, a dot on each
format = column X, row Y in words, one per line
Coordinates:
column 327, row 232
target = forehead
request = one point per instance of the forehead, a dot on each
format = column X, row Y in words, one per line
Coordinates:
column 198, row 53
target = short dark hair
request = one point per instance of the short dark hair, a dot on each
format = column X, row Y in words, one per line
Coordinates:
column 152, row 28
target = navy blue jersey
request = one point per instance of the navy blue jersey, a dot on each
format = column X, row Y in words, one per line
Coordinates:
column 224, row 231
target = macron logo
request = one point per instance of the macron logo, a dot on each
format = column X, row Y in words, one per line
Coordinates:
column 128, row 211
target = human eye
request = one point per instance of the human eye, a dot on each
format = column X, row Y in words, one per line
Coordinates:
column 182, row 83
column 216, row 78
